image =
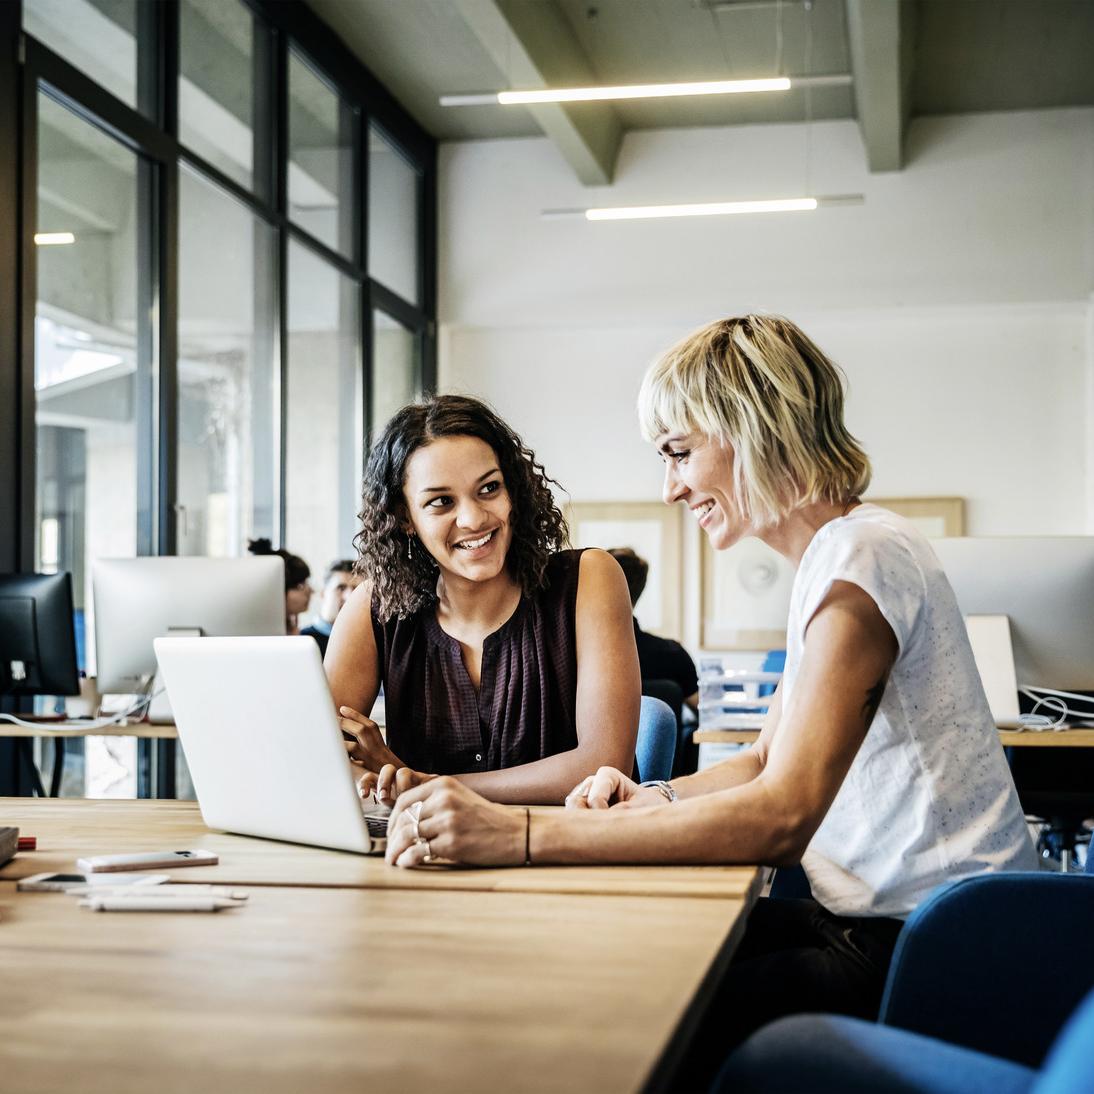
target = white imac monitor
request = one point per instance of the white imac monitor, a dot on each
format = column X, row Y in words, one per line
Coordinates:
column 1045, row 586
column 140, row 599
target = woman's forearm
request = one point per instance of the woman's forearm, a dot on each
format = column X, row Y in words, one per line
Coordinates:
column 741, row 825
column 735, row 771
column 543, row 782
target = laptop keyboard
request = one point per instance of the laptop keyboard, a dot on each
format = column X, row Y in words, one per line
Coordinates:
column 376, row 823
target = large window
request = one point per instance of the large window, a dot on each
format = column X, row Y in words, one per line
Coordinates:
column 323, row 410
column 321, row 128
column 99, row 37
column 219, row 41
column 228, row 437
column 232, row 286
column 394, row 198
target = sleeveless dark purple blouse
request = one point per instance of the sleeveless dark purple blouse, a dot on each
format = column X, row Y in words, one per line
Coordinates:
column 525, row 708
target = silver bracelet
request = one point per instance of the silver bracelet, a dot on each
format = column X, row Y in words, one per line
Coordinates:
column 665, row 788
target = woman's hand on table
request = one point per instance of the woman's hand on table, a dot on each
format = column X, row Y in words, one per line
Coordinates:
column 443, row 819
column 389, row 782
column 611, row 789
column 368, row 747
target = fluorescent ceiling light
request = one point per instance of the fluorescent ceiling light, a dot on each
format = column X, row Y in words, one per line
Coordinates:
column 53, row 239
column 707, row 208
column 702, row 209
column 642, row 91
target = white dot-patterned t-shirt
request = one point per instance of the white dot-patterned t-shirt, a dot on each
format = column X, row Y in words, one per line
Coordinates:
column 929, row 797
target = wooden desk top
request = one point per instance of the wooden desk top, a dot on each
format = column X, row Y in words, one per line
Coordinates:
column 1065, row 738
column 147, row 730
column 68, row 829
column 338, row 991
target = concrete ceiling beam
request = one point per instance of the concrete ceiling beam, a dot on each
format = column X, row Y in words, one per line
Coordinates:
column 882, row 39
column 535, row 47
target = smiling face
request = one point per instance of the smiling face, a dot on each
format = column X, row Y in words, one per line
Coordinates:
column 458, row 506
column 699, row 472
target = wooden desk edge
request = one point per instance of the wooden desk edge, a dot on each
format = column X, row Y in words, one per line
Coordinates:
column 680, row 1041
column 1009, row 738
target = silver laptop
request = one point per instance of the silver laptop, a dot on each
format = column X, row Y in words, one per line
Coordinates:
column 263, row 742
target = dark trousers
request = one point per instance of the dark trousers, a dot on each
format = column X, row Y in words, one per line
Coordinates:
column 795, row 957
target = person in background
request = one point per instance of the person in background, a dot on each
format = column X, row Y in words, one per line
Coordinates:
column 339, row 582
column 506, row 660
column 878, row 767
column 297, row 590
column 668, row 671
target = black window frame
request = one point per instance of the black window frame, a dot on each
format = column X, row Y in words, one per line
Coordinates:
column 26, row 66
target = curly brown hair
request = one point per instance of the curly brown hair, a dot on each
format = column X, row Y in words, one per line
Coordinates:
column 404, row 585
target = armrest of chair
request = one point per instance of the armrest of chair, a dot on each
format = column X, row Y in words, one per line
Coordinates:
column 995, row 962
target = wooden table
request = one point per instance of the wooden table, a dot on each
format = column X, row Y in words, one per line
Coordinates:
column 1064, row 738
column 148, row 730
column 325, row 990
column 68, row 829
column 357, row 977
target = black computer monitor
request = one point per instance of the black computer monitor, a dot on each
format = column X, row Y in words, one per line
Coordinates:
column 37, row 636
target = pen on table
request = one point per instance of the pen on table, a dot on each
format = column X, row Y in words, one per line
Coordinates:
column 150, row 904
column 158, row 892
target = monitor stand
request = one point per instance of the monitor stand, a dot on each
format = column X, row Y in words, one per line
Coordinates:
column 159, row 710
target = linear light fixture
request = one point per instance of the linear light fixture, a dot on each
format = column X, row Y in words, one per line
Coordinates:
column 53, row 239
column 708, row 208
column 642, row 91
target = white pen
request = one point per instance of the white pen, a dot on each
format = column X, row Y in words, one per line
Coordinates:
column 149, row 904
column 158, row 892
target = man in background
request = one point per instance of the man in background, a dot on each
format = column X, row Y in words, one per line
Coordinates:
column 339, row 582
column 668, row 671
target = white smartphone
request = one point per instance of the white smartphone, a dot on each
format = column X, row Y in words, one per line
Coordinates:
column 146, row 860
column 61, row 883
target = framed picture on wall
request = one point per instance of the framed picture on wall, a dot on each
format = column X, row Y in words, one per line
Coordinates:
column 745, row 597
column 934, row 517
column 653, row 531
column 746, row 590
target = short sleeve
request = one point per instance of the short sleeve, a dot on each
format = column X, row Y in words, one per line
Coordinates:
column 878, row 561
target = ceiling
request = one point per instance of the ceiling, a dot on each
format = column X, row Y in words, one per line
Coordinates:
column 906, row 58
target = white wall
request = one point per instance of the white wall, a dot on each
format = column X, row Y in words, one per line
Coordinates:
column 957, row 299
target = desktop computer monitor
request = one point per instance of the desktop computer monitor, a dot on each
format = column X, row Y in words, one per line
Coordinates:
column 37, row 635
column 139, row 599
column 1045, row 585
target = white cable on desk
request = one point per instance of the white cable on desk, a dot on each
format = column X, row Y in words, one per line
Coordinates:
column 78, row 728
column 1054, row 701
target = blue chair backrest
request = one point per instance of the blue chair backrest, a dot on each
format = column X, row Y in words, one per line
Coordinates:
column 998, row 944
column 1069, row 1068
column 774, row 661
column 656, row 745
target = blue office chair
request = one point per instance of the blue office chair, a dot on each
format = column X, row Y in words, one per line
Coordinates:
column 990, row 946
column 656, row 745
column 986, row 972
column 828, row 1053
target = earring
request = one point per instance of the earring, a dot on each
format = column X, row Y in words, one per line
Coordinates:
column 409, row 545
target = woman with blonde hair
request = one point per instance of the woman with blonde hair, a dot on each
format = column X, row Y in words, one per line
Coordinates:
column 878, row 767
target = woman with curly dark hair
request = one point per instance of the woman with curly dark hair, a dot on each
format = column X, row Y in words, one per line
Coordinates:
column 506, row 660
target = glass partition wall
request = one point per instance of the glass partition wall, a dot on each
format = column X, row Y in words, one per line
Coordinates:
column 226, row 275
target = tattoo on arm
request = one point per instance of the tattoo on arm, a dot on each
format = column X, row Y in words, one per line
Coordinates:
column 873, row 701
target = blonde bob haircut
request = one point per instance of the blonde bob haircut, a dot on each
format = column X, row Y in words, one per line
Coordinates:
column 758, row 384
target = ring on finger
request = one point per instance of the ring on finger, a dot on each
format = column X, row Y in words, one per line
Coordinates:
column 415, row 813
column 428, row 852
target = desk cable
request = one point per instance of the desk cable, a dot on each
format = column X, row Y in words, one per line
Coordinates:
column 1053, row 700
column 77, row 728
